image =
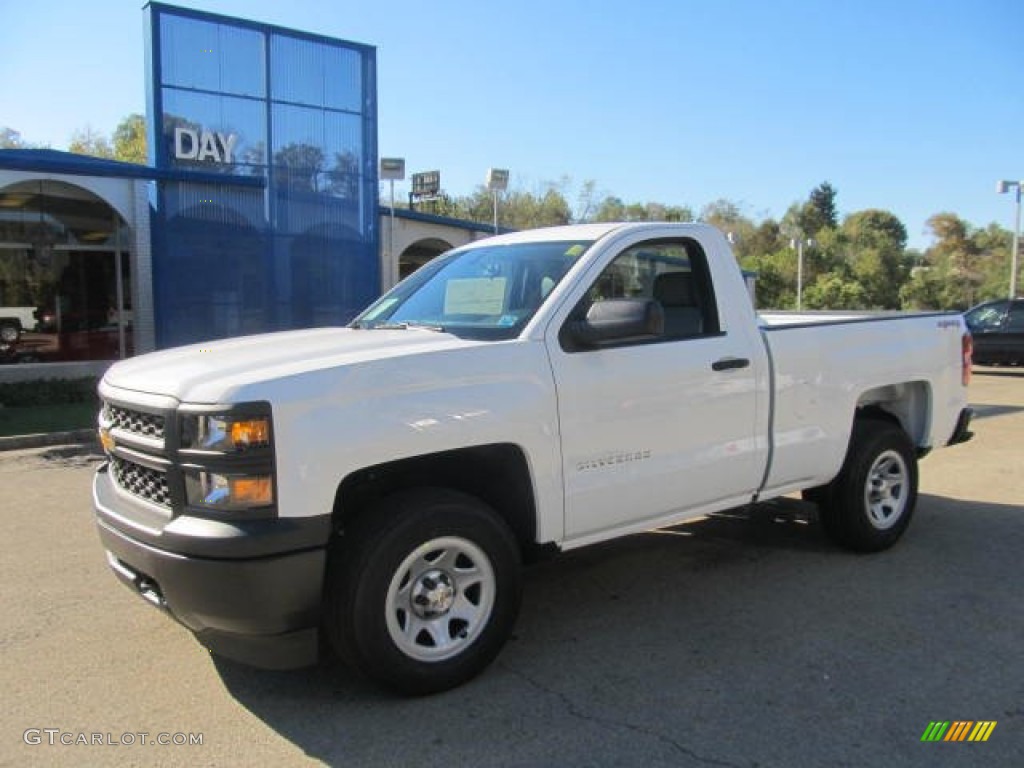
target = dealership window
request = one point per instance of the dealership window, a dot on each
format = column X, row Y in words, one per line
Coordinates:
column 215, row 284
column 64, row 275
column 316, row 74
column 211, row 56
column 238, row 118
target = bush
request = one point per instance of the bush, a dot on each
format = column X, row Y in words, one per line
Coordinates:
column 22, row 394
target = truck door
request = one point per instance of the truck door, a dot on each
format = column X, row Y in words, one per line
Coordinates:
column 652, row 428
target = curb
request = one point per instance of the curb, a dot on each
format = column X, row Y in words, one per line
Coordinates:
column 77, row 436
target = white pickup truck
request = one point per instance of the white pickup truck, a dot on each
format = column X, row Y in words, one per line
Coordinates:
column 14, row 320
column 379, row 485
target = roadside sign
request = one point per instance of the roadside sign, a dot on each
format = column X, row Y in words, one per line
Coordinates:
column 426, row 184
column 392, row 168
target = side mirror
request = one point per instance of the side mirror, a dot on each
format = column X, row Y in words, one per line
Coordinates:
column 618, row 321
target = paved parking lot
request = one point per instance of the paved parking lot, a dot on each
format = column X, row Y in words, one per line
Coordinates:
column 741, row 641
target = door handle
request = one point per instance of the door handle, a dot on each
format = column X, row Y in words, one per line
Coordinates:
column 729, row 363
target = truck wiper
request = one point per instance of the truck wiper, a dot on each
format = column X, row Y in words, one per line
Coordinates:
column 403, row 326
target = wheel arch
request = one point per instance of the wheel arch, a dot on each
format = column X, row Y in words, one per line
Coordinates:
column 907, row 404
column 497, row 474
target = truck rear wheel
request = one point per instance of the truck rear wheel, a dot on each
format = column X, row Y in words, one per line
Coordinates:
column 869, row 504
column 9, row 331
column 423, row 590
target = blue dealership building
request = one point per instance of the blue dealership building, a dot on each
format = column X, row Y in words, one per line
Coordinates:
column 257, row 211
column 266, row 216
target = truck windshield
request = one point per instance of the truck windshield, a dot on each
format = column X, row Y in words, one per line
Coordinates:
column 483, row 292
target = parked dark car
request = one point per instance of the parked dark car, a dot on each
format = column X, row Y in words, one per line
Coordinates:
column 998, row 331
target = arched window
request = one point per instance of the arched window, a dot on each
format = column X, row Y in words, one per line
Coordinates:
column 64, row 275
column 418, row 254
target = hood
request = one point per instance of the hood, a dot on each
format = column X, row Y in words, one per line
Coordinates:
column 214, row 372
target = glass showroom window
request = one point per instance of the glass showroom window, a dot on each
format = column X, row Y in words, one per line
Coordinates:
column 64, row 275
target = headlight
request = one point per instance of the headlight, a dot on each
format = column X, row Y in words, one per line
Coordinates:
column 225, row 432
column 229, row 492
column 228, row 459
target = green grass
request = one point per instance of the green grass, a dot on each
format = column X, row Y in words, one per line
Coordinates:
column 58, row 417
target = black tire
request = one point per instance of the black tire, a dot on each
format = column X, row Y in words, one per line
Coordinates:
column 9, row 332
column 871, row 501
column 423, row 590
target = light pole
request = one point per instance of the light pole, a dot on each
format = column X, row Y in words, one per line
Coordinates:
column 798, row 244
column 1002, row 187
column 497, row 181
column 392, row 169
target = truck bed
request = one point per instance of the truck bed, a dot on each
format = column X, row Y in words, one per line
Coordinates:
column 782, row 318
column 825, row 365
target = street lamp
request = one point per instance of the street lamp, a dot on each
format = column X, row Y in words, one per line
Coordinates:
column 392, row 169
column 497, row 181
column 1002, row 187
column 798, row 244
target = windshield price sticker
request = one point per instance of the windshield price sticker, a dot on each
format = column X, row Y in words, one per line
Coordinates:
column 475, row 296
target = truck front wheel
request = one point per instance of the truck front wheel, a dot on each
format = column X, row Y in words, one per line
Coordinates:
column 423, row 590
column 869, row 504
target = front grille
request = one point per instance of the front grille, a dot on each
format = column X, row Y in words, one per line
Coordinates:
column 146, row 483
column 136, row 422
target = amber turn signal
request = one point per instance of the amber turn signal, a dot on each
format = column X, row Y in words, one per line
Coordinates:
column 250, row 433
column 252, row 491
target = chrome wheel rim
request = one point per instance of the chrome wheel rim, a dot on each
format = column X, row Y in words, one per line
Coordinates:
column 440, row 599
column 886, row 490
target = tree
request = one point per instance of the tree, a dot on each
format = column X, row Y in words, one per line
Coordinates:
column 586, row 202
column 955, row 259
column 129, row 140
column 776, row 277
column 877, row 242
column 343, row 178
column 610, row 209
column 522, row 210
column 814, row 219
column 88, row 141
column 11, row 139
column 835, row 291
column 819, row 211
column 127, row 143
column 300, row 166
column 993, row 244
column 876, row 228
column 659, row 212
column 614, row 209
column 726, row 216
column 963, row 267
column 765, row 239
column 722, row 213
column 255, row 156
column 924, row 290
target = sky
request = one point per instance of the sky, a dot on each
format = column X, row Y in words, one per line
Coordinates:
column 911, row 106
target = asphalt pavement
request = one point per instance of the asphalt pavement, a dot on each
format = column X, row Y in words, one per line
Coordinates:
column 741, row 640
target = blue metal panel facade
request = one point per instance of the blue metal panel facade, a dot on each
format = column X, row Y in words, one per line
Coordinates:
column 268, row 219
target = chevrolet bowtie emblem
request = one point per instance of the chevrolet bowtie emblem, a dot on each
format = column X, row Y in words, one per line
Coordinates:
column 106, row 440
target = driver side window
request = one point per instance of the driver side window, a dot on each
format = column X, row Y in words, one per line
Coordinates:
column 672, row 272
